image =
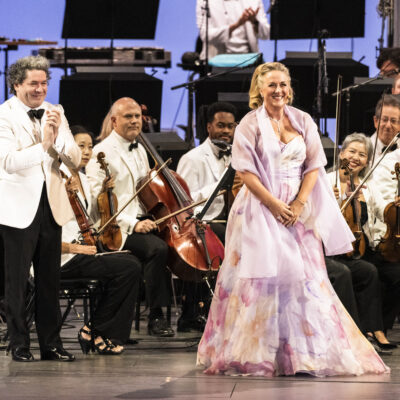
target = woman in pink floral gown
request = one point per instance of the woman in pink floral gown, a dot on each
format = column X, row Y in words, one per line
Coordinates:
column 274, row 311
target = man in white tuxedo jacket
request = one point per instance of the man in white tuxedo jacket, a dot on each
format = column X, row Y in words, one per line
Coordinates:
column 34, row 138
column 387, row 123
column 202, row 168
column 128, row 163
column 234, row 26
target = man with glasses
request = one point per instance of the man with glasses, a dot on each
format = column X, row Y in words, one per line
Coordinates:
column 386, row 122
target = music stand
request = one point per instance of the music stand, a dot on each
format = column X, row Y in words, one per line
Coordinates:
column 319, row 19
column 110, row 19
column 302, row 19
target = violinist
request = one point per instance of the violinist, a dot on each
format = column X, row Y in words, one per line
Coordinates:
column 201, row 168
column 384, row 182
column 386, row 122
column 357, row 150
column 34, row 135
column 128, row 163
column 119, row 273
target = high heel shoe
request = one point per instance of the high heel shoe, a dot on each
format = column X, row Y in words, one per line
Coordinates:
column 107, row 347
column 86, row 344
column 384, row 346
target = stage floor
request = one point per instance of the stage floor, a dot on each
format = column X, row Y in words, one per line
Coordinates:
column 165, row 369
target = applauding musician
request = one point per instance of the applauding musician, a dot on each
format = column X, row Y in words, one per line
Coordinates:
column 128, row 163
column 234, row 26
column 33, row 138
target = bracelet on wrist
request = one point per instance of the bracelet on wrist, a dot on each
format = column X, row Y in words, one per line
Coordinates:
column 303, row 203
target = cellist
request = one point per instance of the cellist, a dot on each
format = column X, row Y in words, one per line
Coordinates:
column 357, row 150
column 119, row 273
column 128, row 163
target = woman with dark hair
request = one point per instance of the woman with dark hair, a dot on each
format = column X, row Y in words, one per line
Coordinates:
column 120, row 274
column 357, row 150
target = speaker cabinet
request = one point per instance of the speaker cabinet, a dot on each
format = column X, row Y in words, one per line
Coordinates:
column 87, row 97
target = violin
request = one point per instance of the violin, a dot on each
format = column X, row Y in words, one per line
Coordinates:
column 195, row 250
column 87, row 232
column 107, row 203
column 352, row 215
column 389, row 246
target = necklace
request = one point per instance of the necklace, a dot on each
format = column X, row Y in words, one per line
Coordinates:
column 277, row 121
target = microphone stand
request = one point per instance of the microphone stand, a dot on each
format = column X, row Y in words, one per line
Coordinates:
column 191, row 86
column 347, row 91
column 322, row 88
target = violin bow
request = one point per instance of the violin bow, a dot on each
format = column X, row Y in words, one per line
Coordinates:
column 197, row 203
column 101, row 229
column 377, row 129
column 338, row 106
column 369, row 173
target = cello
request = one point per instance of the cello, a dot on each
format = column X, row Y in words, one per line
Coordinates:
column 389, row 246
column 194, row 249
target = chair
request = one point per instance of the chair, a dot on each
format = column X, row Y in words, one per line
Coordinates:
column 85, row 289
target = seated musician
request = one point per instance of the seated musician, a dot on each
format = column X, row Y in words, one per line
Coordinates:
column 357, row 149
column 201, row 168
column 384, row 182
column 119, row 273
column 128, row 163
column 386, row 118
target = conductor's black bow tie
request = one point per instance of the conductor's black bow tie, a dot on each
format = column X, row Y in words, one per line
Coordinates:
column 133, row 145
column 36, row 113
column 226, row 152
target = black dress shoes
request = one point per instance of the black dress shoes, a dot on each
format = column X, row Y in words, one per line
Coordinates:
column 22, row 354
column 56, row 354
column 159, row 327
column 196, row 324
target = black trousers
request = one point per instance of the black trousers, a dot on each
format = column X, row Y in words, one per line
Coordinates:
column 40, row 244
column 341, row 279
column 367, row 291
column 153, row 254
column 389, row 274
column 120, row 275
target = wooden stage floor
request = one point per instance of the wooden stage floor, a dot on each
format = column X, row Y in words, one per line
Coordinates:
column 165, row 369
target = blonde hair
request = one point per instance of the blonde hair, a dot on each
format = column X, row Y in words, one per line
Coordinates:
column 257, row 81
column 106, row 127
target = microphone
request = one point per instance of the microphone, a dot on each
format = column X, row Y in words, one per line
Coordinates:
column 221, row 144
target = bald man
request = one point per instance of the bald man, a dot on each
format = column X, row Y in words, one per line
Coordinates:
column 128, row 163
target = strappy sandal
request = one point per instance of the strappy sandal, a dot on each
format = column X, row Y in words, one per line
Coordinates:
column 86, row 344
column 107, row 347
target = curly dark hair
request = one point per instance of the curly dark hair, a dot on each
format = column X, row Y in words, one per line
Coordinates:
column 392, row 54
column 16, row 74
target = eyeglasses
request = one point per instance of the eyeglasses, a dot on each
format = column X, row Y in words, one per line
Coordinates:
column 393, row 121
